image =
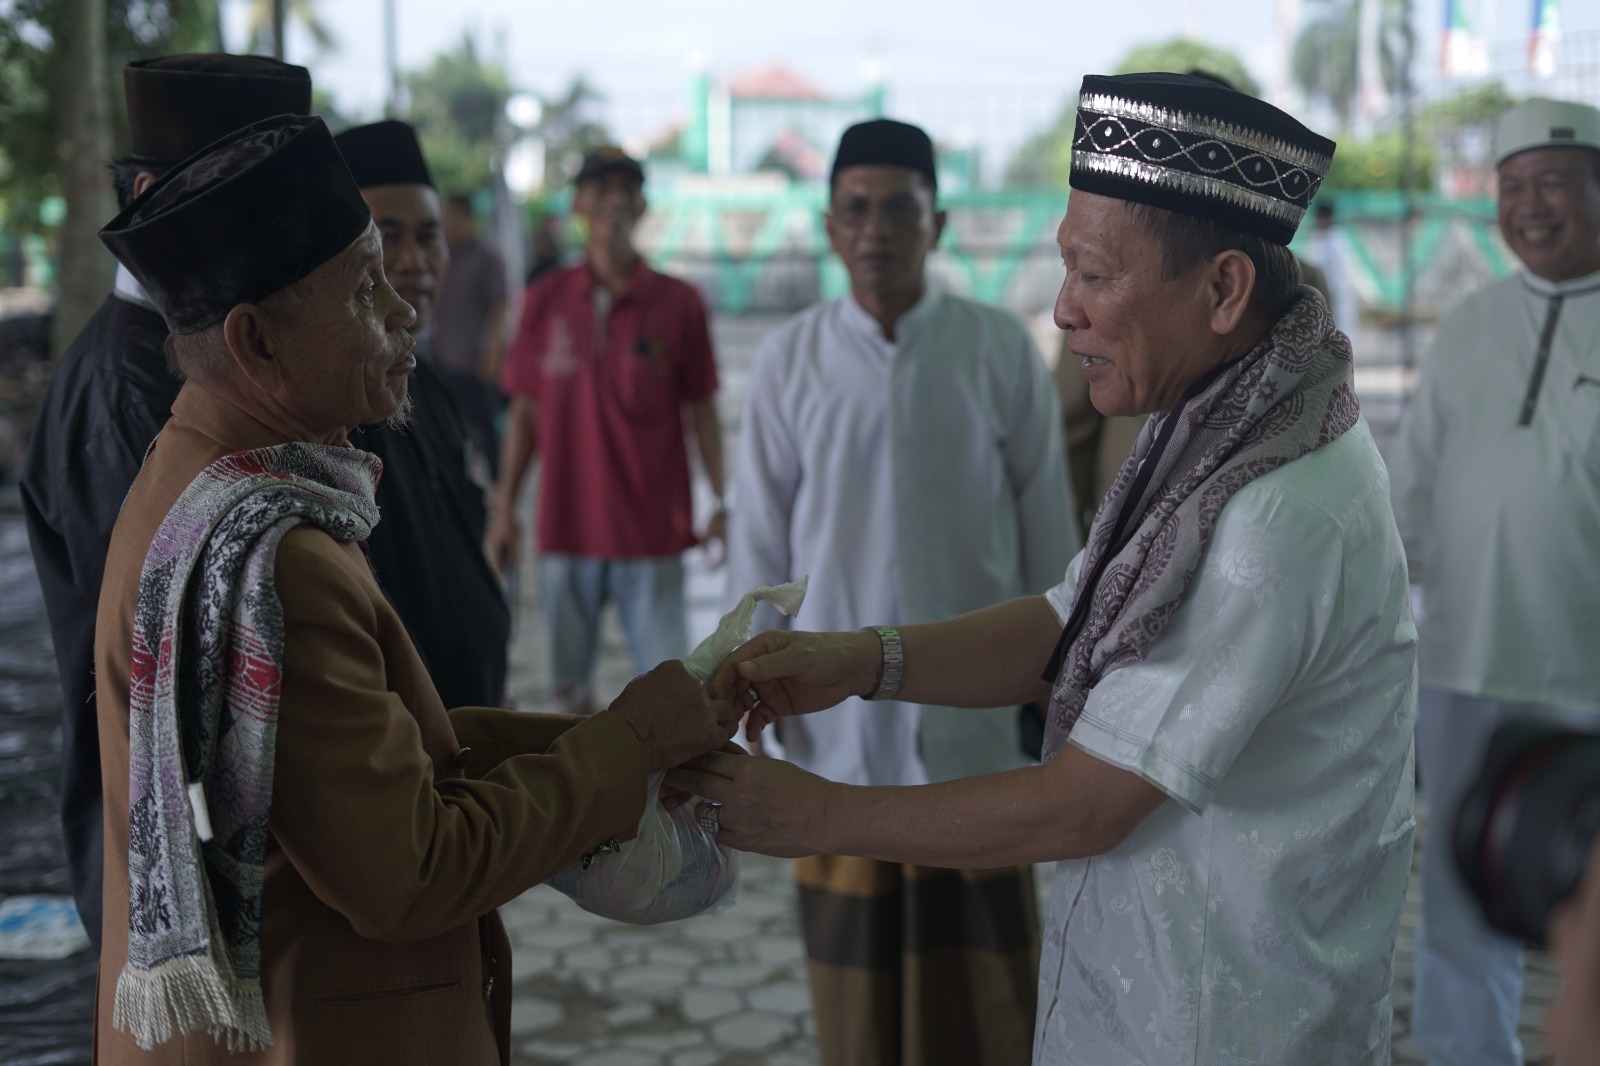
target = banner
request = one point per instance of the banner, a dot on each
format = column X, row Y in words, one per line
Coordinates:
column 1463, row 53
column 1545, row 37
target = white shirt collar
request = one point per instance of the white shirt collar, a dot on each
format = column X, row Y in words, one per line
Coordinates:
column 905, row 327
column 129, row 289
column 1589, row 283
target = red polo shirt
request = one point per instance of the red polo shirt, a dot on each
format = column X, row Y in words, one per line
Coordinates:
column 610, row 386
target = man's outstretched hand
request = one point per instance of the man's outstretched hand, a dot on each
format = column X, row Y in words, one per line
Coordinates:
column 782, row 673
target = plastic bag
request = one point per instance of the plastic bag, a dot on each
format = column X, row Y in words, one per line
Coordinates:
column 673, row 868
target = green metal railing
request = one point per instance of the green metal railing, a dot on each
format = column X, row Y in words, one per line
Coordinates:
column 745, row 245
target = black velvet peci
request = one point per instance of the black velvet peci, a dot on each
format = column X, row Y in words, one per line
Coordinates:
column 249, row 215
column 179, row 104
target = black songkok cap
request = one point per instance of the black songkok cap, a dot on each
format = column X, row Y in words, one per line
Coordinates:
column 242, row 219
column 384, row 153
column 885, row 142
column 1191, row 145
column 609, row 160
column 179, row 104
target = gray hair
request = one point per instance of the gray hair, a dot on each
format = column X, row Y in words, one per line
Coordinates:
column 199, row 355
column 1188, row 241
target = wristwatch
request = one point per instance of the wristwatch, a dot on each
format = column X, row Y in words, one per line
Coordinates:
column 894, row 661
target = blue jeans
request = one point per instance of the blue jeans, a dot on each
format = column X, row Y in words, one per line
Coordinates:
column 574, row 589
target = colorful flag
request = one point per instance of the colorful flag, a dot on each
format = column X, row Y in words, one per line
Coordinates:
column 1545, row 38
column 1463, row 54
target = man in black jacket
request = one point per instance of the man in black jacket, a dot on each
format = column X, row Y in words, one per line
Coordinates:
column 109, row 398
column 427, row 549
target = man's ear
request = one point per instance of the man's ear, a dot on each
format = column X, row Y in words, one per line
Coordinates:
column 251, row 346
column 142, row 181
column 1233, row 280
column 939, row 219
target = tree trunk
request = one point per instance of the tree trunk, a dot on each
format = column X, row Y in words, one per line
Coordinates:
column 83, row 147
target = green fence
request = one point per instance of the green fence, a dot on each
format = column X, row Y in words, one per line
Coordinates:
column 764, row 249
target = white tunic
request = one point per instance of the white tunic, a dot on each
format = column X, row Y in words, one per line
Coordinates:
column 1501, row 522
column 913, row 480
column 1253, row 920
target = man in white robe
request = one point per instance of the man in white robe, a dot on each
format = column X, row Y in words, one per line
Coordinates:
column 902, row 446
column 1496, row 487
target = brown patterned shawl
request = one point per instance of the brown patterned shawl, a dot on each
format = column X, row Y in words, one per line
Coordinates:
column 1289, row 395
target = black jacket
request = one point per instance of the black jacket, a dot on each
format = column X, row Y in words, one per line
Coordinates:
column 109, row 397
column 427, row 549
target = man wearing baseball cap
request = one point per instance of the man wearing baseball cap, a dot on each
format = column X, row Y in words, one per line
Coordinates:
column 1496, row 485
column 110, row 396
column 609, row 362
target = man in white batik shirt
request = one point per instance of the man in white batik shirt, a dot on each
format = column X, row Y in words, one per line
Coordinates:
column 1497, row 492
column 1255, row 916
column 1230, row 666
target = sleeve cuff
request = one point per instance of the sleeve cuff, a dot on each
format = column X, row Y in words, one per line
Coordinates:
column 608, row 742
column 1187, row 785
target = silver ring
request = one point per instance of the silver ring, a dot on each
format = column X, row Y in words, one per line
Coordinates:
column 710, row 817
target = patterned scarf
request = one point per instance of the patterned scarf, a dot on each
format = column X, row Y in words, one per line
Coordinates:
column 204, row 683
column 1291, row 394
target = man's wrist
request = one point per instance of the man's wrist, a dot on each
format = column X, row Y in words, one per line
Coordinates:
column 890, row 666
column 833, row 823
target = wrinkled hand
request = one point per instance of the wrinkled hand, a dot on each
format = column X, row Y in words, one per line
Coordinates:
column 674, row 715
column 500, row 539
column 673, row 798
column 768, row 806
column 1573, row 1024
column 781, row 673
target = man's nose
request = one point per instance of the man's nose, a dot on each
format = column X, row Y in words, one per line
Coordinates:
column 1069, row 309
column 401, row 315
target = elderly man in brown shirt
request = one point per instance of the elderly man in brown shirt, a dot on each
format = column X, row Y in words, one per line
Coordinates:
column 304, row 849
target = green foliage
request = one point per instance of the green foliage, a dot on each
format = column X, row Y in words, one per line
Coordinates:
column 136, row 29
column 1181, row 56
column 1045, row 159
column 1377, row 164
column 570, row 130
column 1476, row 108
column 457, row 105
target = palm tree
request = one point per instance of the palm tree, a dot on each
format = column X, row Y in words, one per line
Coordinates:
column 82, row 141
column 302, row 11
column 1326, row 64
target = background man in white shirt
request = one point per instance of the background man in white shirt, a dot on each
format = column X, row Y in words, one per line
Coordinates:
column 902, row 447
column 1496, row 487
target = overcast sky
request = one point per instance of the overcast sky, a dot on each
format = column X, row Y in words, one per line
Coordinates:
column 980, row 71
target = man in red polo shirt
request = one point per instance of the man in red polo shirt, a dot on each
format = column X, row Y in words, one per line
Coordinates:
column 608, row 356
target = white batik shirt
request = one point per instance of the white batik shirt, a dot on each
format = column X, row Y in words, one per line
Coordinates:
column 913, row 480
column 1252, row 920
column 1501, row 521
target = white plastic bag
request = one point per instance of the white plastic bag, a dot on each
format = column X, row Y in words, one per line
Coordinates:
column 673, row 868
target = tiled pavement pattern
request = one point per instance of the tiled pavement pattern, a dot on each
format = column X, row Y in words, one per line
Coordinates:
column 729, row 989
